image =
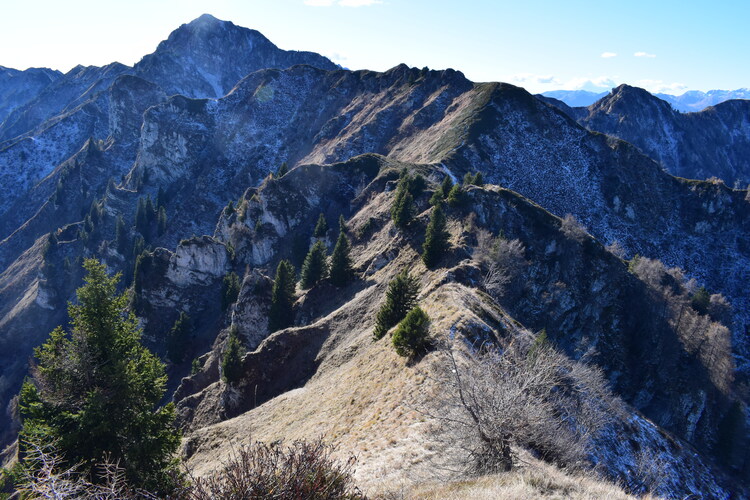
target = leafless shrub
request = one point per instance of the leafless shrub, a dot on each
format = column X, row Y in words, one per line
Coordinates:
column 271, row 471
column 616, row 249
column 651, row 271
column 701, row 335
column 47, row 476
column 523, row 393
column 503, row 261
column 719, row 308
column 573, row 229
column 651, row 470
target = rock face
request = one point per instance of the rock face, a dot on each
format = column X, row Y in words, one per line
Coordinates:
column 580, row 293
column 111, row 163
column 714, row 142
column 207, row 57
column 19, row 87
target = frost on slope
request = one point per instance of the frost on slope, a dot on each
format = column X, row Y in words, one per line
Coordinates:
column 618, row 194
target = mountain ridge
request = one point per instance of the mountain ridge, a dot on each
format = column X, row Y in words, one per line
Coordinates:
column 212, row 167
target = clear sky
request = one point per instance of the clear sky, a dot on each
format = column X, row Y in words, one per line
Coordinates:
column 661, row 45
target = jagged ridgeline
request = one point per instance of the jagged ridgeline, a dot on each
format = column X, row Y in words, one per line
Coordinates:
column 214, row 182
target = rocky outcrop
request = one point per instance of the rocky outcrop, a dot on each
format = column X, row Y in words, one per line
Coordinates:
column 712, row 142
column 207, row 57
column 19, row 87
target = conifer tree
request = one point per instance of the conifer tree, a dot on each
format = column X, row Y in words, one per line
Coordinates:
column 96, row 390
column 402, row 210
column 341, row 262
column 442, row 192
column 411, row 335
column 436, row 238
column 478, row 179
column 231, row 362
column 456, row 196
column 446, row 186
column 121, row 235
column 321, row 228
column 162, row 221
column 282, row 297
column 150, row 209
column 399, row 299
column 178, row 337
column 141, row 218
column 315, row 267
column 282, row 171
column 230, row 290
column 342, row 224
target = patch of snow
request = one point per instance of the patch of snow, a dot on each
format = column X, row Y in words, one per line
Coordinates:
column 449, row 173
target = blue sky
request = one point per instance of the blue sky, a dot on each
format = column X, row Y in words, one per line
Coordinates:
column 661, row 45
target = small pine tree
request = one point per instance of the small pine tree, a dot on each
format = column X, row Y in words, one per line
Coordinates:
column 416, row 185
column 141, row 218
column 342, row 224
column 121, row 235
column 436, row 238
column 446, row 186
column 315, row 267
column 341, row 262
column 478, row 179
column 281, row 314
column 177, row 338
column 321, row 228
column 150, row 209
column 195, row 366
column 282, row 171
column 701, row 300
column 229, row 209
column 231, row 362
column 411, row 336
column 162, row 221
column 230, row 290
column 402, row 210
column 456, row 196
column 399, row 299
column 468, row 179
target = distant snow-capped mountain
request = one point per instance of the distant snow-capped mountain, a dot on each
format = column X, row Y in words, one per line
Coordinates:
column 690, row 101
column 695, row 100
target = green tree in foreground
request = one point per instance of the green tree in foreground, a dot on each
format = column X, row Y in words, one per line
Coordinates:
column 231, row 362
column 411, row 336
column 282, row 297
column 341, row 262
column 436, row 238
column 95, row 392
column 399, row 299
column 315, row 267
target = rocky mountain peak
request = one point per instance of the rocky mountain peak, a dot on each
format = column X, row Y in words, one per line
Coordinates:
column 628, row 98
column 207, row 57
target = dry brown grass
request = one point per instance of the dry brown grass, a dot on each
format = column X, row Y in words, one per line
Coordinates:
column 536, row 480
